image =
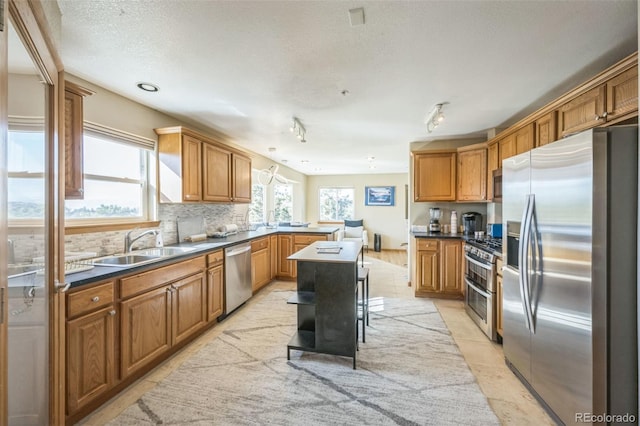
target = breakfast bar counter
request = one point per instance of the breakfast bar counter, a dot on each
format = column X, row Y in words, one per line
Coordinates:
column 326, row 298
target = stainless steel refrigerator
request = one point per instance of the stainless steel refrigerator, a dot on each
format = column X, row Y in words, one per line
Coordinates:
column 570, row 213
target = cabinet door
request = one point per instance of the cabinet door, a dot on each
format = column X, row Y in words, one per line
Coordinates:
column 451, row 256
column 434, row 176
column 189, row 307
column 191, row 169
column 507, row 147
column 91, row 351
column 241, row 179
column 216, row 173
column 583, row 112
column 215, row 295
column 493, row 163
column 546, row 129
column 524, row 139
column 260, row 269
column 428, row 271
column 472, row 175
column 273, row 248
column 285, row 249
column 73, row 160
column 622, row 94
column 145, row 329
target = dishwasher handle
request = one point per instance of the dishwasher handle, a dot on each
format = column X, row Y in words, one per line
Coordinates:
column 235, row 251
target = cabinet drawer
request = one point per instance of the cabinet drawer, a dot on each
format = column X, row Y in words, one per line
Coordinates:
column 215, row 258
column 427, row 244
column 147, row 280
column 308, row 239
column 90, row 299
column 257, row 245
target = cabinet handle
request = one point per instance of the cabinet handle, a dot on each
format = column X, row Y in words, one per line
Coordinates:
column 95, row 299
column 602, row 117
column 112, row 312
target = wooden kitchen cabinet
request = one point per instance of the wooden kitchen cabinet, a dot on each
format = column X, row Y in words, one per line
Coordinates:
column 195, row 168
column 215, row 285
column 91, row 344
column 524, row 138
column 507, row 147
column 472, row 173
column 188, row 307
column 546, row 129
column 260, row 263
column 494, row 162
column 285, row 249
column 145, row 329
column 439, row 267
column 622, row 95
column 434, row 175
column 216, row 173
column 73, row 140
column 273, row 249
column 583, row 112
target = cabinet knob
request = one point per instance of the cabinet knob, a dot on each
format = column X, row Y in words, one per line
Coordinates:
column 95, row 299
column 602, row 117
column 112, row 312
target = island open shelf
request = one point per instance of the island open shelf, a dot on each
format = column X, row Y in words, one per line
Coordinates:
column 326, row 299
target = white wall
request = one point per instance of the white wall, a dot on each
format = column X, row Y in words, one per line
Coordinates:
column 388, row 221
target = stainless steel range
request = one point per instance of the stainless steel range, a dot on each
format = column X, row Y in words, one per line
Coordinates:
column 480, row 282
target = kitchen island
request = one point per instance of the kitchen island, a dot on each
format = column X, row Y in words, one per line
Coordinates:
column 326, row 298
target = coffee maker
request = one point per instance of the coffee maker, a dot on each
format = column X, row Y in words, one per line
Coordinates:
column 434, row 221
column 471, row 222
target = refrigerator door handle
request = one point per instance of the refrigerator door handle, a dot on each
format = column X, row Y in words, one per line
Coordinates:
column 523, row 248
column 525, row 270
column 533, row 244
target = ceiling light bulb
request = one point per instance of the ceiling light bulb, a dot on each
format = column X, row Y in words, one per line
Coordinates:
column 440, row 117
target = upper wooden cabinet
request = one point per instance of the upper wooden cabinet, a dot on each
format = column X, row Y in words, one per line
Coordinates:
column 622, row 95
column 434, row 175
column 523, row 139
column 472, row 173
column 192, row 167
column 73, row 130
column 546, row 129
column 583, row 112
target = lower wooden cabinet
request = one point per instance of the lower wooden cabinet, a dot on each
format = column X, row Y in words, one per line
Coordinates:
column 145, row 329
column 188, row 307
column 91, row 356
column 273, row 256
column 215, row 292
column 285, row 249
column 260, row 263
column 438, row 267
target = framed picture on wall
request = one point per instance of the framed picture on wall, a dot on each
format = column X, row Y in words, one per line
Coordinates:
column 379, row 195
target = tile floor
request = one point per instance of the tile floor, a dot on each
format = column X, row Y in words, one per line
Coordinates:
column 510, row 400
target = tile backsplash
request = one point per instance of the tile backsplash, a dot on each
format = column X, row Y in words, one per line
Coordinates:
column 29, row 245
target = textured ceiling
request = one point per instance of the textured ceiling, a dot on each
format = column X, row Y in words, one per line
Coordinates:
column 246, row 67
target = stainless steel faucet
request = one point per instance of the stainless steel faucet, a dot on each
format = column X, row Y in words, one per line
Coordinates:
column 128, row 241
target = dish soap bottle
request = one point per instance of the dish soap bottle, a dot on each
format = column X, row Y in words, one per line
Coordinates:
column 454, row 222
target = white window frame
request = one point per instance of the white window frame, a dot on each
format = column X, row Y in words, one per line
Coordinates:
column 335, row 219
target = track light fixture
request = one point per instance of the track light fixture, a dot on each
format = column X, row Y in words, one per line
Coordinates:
column 298, row 129
column 434, row 118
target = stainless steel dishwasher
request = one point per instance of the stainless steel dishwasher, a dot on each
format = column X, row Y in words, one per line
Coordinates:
column 237, row 274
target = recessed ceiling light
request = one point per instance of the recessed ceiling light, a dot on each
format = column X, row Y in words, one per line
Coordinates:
column 148, row 87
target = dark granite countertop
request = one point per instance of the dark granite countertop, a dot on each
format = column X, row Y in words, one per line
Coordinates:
column 440, row 235
column 99, row 273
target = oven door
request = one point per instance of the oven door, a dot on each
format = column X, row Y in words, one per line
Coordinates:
column 480, row 273
column 479, row 305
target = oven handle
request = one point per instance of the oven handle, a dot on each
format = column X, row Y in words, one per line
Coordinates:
column 477, row 289
column 475, row 262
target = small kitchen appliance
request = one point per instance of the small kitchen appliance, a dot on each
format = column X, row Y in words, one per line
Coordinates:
column 494, row 230
column 434, row 221
column 471, row 222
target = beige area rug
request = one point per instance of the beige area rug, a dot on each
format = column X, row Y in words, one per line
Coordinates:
column 409, row 372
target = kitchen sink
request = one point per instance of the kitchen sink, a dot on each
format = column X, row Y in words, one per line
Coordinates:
column 126, row 260
column 164, row 251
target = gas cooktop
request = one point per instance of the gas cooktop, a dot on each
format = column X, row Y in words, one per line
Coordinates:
column 488, row 244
